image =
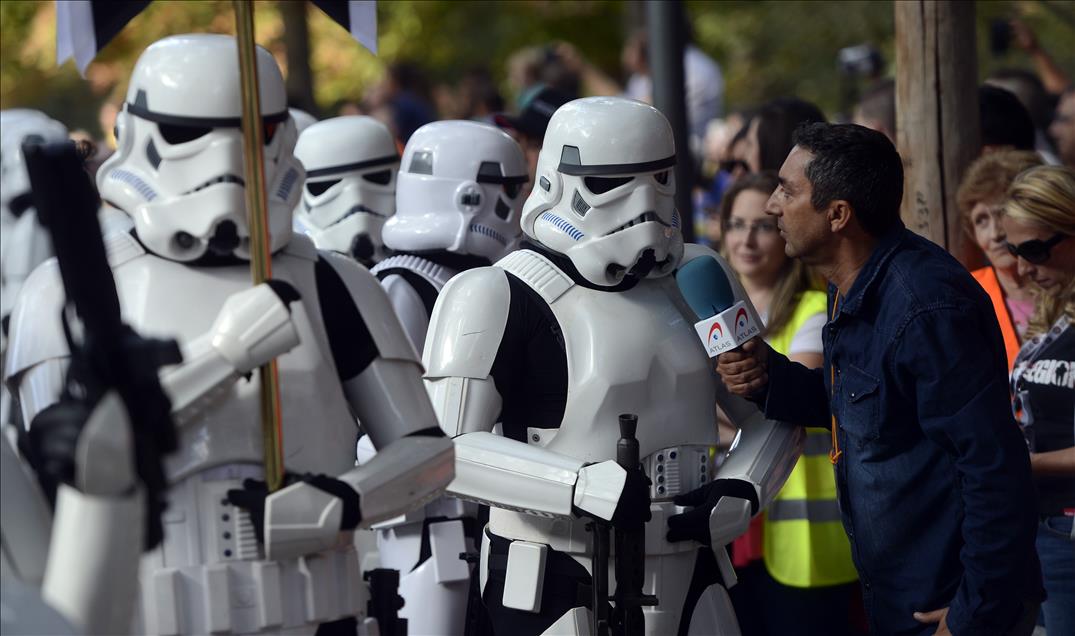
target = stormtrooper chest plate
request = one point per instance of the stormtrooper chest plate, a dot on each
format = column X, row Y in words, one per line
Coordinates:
column 163, row 298
column 632, row 351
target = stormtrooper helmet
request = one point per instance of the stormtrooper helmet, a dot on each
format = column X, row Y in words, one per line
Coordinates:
column 459, row 190
column 17, row 126
column 604, row 191
column 351, row 164
column 178, row 166
column 303, row 119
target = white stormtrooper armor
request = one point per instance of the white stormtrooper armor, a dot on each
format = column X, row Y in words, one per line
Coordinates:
column 351, row 165
column 555, row 343
column 212, row 573
column 24, row 244
column 303, row 119
column 457, row 207
column 97, row 531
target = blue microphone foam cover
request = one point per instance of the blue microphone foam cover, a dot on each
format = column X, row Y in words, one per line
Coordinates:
column 705, row 287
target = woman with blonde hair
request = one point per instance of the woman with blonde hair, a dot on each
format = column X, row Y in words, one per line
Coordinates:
column 1039, row 222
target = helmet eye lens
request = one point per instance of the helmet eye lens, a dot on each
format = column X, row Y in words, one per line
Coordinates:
column 320, row 187
column 269, row 131
column 178, row 134
column 601, row 185
column 662, row 177
column 381, row 177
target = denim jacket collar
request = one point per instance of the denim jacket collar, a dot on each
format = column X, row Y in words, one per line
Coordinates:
column 886, row 246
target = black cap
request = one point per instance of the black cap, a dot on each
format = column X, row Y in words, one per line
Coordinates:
column 536, row 113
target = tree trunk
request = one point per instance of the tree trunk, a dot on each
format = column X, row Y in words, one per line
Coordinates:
column 299, row 81
column 937, row 125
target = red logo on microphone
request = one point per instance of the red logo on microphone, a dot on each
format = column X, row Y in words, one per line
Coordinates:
column 741, row 323
column 718, row 331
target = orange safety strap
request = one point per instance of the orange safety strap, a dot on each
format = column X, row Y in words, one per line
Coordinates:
column 835, row 452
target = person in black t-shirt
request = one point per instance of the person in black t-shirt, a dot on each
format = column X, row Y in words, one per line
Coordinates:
column 1039, row 224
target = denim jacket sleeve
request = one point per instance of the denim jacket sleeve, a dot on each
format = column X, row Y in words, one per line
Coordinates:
column 943, row 358
column 795, row 394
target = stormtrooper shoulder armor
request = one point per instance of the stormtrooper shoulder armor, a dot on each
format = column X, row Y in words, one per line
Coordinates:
column 36, row 331
column 466, row 346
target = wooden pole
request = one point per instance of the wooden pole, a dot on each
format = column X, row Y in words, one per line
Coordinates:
column 937, row 124
column 258, row 222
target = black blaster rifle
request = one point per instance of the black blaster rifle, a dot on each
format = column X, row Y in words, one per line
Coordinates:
column 627, row 618
column 106, row 354
column 629, row 549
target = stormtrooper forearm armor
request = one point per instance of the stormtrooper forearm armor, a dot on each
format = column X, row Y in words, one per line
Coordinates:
column 414, row 461
column 253, row 327
column 98, row 528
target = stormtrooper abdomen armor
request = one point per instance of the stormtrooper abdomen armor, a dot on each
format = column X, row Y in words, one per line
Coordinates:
column 208, row 575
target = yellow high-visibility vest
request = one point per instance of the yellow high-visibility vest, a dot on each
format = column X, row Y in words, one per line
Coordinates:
column 804, row 543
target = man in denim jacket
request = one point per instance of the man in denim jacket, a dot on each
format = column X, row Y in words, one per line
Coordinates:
column 933, row 477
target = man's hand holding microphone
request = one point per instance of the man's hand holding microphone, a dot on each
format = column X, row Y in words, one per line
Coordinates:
column 745, row 370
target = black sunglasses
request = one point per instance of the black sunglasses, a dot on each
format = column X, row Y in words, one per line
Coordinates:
column 1035, row 251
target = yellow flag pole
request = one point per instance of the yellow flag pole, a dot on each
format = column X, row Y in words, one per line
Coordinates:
column 257, row 219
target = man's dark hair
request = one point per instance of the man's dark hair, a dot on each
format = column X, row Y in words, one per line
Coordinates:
column 777, row 121
column 857, row 165
column 1005, row 121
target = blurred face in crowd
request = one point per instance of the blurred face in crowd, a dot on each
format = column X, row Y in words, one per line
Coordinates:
column 804, row 228
column 1057, row 270
column 754, row 245
column 1063, row 129
column 985, row 221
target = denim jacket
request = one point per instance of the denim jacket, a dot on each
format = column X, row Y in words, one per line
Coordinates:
column 934, row 481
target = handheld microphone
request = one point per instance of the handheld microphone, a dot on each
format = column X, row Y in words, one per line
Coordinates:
column 724, row 322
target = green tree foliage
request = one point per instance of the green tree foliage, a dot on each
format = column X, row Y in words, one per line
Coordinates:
column 766, row 48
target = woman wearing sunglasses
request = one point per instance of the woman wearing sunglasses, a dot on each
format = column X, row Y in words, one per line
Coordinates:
column 1039, row 222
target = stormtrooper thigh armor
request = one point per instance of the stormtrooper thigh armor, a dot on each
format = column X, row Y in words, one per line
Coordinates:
column 210, row 574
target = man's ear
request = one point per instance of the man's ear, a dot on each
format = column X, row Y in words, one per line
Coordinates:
column 839, row 213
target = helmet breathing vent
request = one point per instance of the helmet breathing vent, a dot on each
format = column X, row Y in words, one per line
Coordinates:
column 579, row 205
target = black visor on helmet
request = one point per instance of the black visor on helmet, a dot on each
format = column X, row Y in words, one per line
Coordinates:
column 571, row 163
column 140, row 108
